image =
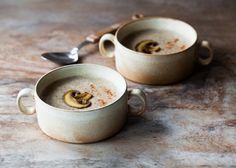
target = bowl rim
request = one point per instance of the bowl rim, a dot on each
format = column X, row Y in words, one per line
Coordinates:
column 156, row 18
column 79, row 111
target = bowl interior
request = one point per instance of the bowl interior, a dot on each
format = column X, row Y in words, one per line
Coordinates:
column 82, row 70
column 179, row 27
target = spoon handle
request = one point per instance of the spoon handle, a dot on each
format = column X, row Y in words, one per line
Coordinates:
column 95, row 37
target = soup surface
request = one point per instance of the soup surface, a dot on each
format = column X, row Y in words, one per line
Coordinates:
column 155, row 41
column 102, row 92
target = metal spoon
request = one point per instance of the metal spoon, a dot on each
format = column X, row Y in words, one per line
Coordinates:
column 73, row 56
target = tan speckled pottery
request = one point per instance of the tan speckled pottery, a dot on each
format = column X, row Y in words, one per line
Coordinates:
column 82, row 126
column 155, row 69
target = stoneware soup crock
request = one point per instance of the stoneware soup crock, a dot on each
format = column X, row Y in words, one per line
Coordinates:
column 82, row 126
column 154, row 68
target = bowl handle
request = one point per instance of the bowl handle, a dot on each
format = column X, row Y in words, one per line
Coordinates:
column 23, row 93
column 104, row 49
column 141, row 95
column 206, row 61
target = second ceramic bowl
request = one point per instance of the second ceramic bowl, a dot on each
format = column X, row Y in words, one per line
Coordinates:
column 155, row 69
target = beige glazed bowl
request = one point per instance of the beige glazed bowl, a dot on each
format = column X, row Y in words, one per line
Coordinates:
column 82, row 126
column 154, row 68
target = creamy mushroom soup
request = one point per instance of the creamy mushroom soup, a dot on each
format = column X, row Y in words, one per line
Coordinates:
column 155, row 41
column 80, row 93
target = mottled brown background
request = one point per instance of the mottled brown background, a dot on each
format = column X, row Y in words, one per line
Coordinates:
column 189, row 124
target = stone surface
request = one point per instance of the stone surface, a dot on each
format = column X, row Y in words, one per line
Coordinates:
column 189, row 124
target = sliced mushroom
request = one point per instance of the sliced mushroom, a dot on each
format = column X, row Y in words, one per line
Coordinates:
column 148, row 47
column 83, row 98
column 76, row 99
column 87, row 96
column 84, row 95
